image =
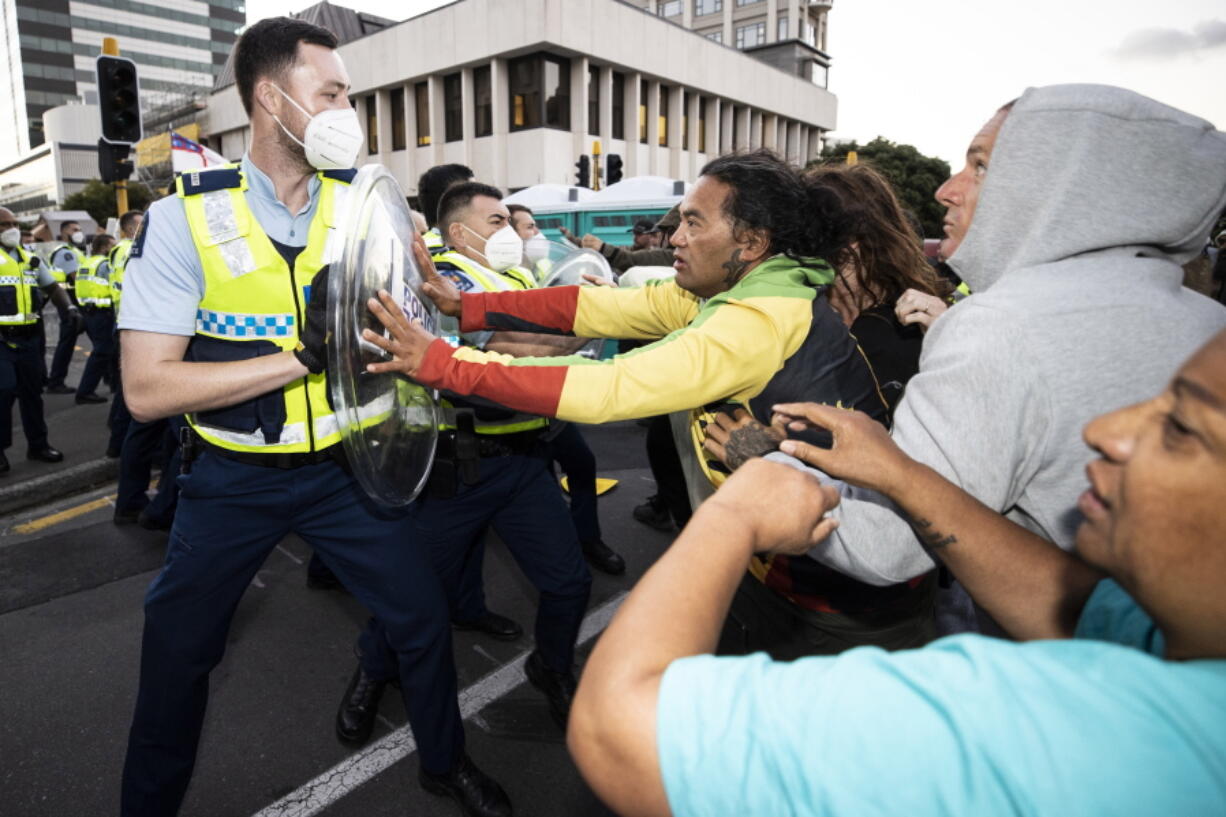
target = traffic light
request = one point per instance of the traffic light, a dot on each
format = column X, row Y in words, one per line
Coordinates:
column 113, row 162
column 119, row 100
column 613, row 169
column 583, row 174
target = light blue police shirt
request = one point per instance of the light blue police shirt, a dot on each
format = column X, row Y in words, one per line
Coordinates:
column 65, row 260
column 968, row 725
column 164, row 280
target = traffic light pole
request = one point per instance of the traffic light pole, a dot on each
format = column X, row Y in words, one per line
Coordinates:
column 110, row 48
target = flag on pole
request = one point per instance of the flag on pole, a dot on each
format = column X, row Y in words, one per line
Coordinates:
column 187, row 155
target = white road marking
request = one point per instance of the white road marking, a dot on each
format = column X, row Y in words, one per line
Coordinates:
column 346, row 776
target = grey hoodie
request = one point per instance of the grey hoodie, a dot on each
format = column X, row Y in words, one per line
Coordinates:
column 1093, row 197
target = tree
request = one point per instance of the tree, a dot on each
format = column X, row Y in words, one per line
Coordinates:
column 915, row 176
column 98, row 199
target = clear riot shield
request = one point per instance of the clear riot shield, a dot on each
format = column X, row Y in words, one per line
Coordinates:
column 565, row 266
column 388, row 424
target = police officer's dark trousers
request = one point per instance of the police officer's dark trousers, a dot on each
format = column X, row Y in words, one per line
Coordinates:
column 145, row 445
column 517, row 496
column 571, row 452
column 64, row 347
column 230, row 517
column 100, row 326
column 21, row 380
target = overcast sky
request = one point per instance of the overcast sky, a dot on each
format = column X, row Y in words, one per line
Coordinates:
column 930, row 72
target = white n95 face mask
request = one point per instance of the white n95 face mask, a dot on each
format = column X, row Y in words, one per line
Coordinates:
column 332, row 137
column 536, row 248
column 77, row 238
column 503, row 250
column 10, row 237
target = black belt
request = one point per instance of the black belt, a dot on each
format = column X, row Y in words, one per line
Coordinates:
column 494, row 445
column 281, row 460
column 91, row 309
column 20, row 331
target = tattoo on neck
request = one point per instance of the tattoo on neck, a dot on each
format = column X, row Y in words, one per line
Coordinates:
column 753, row 440
column 933, row 539
column 734, row 268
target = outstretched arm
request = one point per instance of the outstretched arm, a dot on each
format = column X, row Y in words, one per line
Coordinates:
column 676, row 611
column 1029, row 586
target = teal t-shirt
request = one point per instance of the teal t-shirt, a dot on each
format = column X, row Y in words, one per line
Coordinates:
column 1096, row 725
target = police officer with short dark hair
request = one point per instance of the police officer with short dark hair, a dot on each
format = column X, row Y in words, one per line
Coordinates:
column 224, row 319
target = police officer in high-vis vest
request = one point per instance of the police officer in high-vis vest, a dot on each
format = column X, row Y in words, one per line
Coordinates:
column 93, row 287
column 24, row 281
column 119, row 419
column 224, row 319
column 65, row 259
column 431, row 185
column 491, row 471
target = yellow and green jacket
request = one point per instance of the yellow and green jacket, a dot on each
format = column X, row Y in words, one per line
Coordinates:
column 21, row 300
column 93, row 288
column 771, row 338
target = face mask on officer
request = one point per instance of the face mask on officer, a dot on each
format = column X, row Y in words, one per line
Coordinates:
column 536, row 248
column 332, row 137
column 11, row 237
column 77, row 238
column 503, row 249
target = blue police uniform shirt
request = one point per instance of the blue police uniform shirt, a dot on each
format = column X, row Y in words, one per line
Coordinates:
column 43, row 273
column 1099, row 724
column 65, row 260
column 164, row 280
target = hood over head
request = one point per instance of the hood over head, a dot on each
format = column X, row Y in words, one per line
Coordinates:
column 1081, row 169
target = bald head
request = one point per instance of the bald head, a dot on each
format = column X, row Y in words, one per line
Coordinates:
column 7, row 219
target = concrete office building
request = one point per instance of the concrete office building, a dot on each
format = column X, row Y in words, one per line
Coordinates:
column 48, row 48
column 519, row 89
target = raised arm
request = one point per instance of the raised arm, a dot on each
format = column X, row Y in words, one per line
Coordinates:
column 1029, row 586
column 676, row 611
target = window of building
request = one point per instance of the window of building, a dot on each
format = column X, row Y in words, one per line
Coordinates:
column 593, row 100
column 669, row 9
column 453, row 108
column 750, row 35
column 707, row 7
column 736, row 127
column 483, row 96
column 820, row 74
column 372, row 125
column 782, row 33
column 643, row 112
column 619, row 105
column 396, row 98
column 662, row 119
column 524, row 74
column 716, row 36
column 685, row 120
column 702, row 125
column 421, row 103
column 557, row 90
column 740, row 3
column 539, row 91
column 809, row 33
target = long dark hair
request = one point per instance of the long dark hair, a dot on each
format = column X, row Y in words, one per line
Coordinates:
column 888, row 256
column 803, row 220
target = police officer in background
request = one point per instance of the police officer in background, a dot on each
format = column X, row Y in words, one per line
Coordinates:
column 93, row 288
column 65, row 260
column 431, row 186
column 24, row 280
column 119, row 419
column 491, row 470
column 225, row 299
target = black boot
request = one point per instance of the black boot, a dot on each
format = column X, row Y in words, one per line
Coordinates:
column 558, row 687
column 478, row 794
column 356, row 717
column 603, row 558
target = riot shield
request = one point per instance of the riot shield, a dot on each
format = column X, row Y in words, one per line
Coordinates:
column 565, row 266
column 388, row 424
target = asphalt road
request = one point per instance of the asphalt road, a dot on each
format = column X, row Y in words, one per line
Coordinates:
column 71, row 585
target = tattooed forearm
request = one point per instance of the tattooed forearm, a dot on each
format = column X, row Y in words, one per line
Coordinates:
column 734, row 268
column 747, row 442
column 930, row 537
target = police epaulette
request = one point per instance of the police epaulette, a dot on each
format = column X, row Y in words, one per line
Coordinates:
column 345, row 176
column 206, row 181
